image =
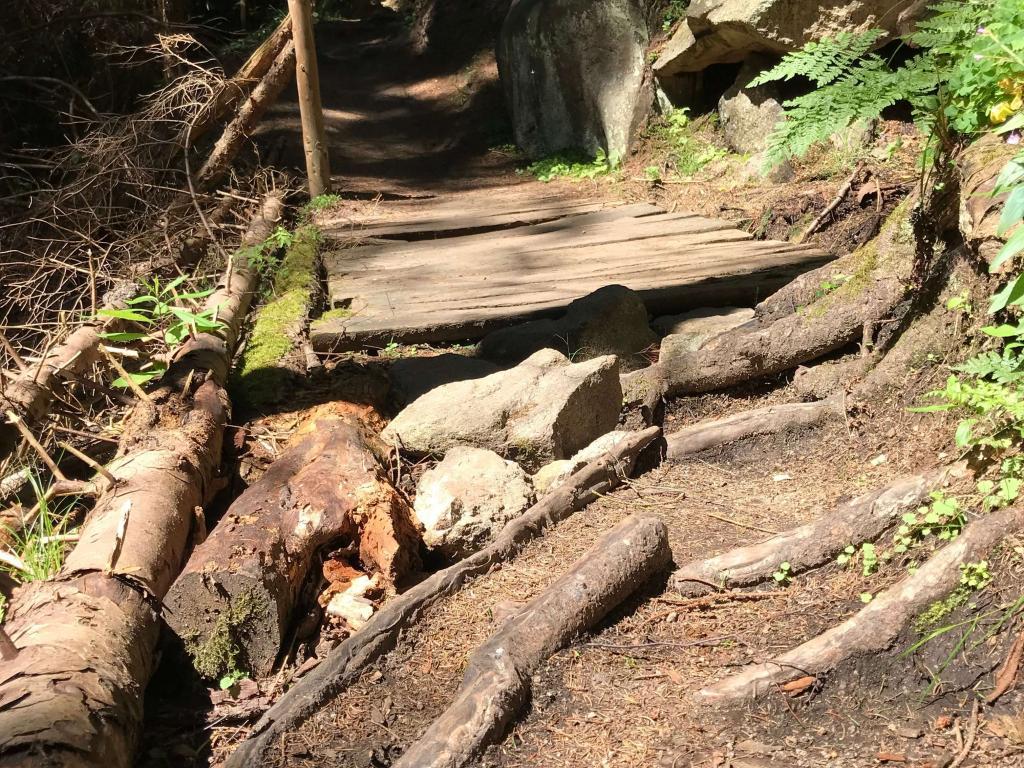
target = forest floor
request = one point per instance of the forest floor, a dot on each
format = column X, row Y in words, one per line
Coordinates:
column 622, row 696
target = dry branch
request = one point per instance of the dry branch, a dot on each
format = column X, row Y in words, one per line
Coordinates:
column 875, row 627
column 261, row 551
column 86, row 637
column 348, row 660
column 759, row 421
column 496, row 685
column 814, row 544
column 238, row 131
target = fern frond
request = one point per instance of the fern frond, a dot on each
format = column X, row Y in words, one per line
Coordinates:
column 822, row 61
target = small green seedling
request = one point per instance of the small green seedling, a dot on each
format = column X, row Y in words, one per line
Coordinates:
column 783, row 575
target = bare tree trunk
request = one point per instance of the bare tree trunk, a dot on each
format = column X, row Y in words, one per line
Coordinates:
column 85, row 638
column 307, row 78
column 260, row 554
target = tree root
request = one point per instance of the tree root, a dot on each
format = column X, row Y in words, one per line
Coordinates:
column 875, row 627
column 348, row 660
column 814, row 544
column 759, row 421
column 86, row 638
column 496, row 685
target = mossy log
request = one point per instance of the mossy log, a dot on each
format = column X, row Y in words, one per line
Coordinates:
column 86, row 637
column 232, row 603
column 496, row 685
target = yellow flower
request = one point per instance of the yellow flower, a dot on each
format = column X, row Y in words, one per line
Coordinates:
column 1001, row 112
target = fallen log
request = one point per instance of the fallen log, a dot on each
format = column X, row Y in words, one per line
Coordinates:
column 861, row 519
column 232, row 603
column 758, row 421
column 349, row 659
column 875, row 627
column 244, row 123
column 496, row 685
column 85, row 638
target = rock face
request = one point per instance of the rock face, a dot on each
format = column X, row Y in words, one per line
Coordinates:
column 748, row 115
column 552, row 475
column 727, row 31
column 545, row 408
column 574, row 74
column 415, row 376
column 691, row 331
column 465, row 500
column 610, row 321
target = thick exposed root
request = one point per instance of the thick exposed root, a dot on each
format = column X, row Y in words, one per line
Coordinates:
column 759, row 421
column 496, row 685
column 810, row 546
column 348, row 660
column 256, row 560
column 876, row 626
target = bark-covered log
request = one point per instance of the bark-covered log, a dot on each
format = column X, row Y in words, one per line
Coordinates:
column 244, row 123
column 758, row 421
column 877, row 281
column 814, row 544
column 233, row 601
column 347, row 661
column 496, row 685
column 875, row 627
column 86, row 637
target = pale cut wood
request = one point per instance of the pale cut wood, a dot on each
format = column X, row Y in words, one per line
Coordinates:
column 307, row 79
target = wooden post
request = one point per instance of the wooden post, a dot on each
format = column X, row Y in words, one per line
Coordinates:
column 307, row 79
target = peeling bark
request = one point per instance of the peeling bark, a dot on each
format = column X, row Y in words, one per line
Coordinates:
column 328, row 486
column 814, row 544
column 348, row 660
column 875, row 627
column 86, row 637
column 496, row 685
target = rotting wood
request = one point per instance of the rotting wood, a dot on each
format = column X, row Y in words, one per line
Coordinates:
column 875, row 627
column 496, row 685
column 86, row 637
column 758, row 421
column 809, row 546
column 348, row 660
column 238, row 131
column 311, row 114
column 257, row 558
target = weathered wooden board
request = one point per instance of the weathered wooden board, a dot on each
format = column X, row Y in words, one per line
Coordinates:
column 457, row 288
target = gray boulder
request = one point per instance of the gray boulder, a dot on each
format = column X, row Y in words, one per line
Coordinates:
column 692, row 330
column 467, row 498
column 727, row 31
column 574, row 74
column 609, row 321
column 543, row 409
column 552, row 475
column 748, row 115
column 412, row 377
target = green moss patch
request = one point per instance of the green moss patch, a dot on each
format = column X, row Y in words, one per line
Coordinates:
column 221, row 652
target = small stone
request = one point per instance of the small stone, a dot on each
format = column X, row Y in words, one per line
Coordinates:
column 355, row 611
column 551, row 476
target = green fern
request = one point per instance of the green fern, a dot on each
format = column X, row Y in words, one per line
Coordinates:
column 822, row 61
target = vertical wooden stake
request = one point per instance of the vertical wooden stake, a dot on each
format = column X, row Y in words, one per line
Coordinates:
column 307, row 79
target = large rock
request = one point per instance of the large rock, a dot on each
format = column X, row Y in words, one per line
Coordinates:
column 609, row 321
column 574, row 74
column 412, row 377
column 465, row 500
column 690, row 331
column 748, row 115
column 543, row 409
column 728, row 31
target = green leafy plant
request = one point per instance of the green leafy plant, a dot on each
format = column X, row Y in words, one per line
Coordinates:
column 783, row 574
column 319, row 203
column 943, row 519
column 674, row 12
column 39, row 546
column 571, row 166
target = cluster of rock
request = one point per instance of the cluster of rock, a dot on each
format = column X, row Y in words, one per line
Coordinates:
column 503, row 436
column 576, row 72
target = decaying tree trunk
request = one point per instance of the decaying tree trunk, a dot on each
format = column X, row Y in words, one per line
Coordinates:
column 348, row 660
column 758, row 421
column 876, row 281
column 238, row 131
column 496, row 685
column 875, row 627
column 72, row 696
column 236, row 593
column 814, row 544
